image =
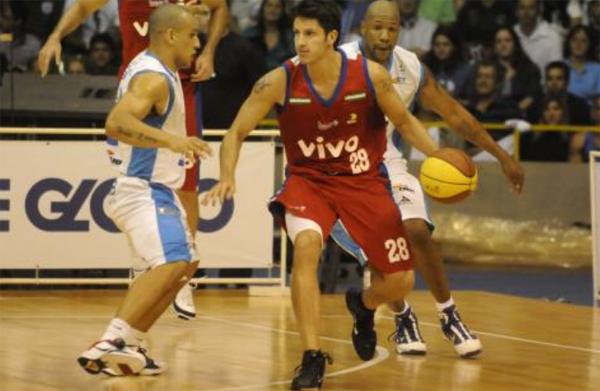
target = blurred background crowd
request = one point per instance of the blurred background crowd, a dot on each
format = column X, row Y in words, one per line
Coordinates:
column 535, row 60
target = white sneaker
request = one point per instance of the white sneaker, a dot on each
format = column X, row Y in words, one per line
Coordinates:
column 113, row 355
column 152, row 367
column 407, row 336
column 184, row 304
column 466, row 344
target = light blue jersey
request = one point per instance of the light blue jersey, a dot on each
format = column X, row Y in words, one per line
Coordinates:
column 143, row 202
column 156, row 165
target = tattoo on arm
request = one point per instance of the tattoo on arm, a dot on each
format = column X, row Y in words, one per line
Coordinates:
column 124, row 132
column 143, row 137
column 261, row 85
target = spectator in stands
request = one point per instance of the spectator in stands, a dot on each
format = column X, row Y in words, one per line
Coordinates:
column 105, row 20
column 478, row 20
column 551, row 146
column 585, row 73
column 102, row 56
column 416, row 32
column 522, row 78
column 557, row 77
column 487, row 105
column 75, row 66
column 273, row 33
column 593, row 23
column 21, row 47
column 583, row 143
column 447, row 62
column 438, row 11
column 542, row 43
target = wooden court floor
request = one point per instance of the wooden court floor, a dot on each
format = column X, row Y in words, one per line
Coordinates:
column 239, row 342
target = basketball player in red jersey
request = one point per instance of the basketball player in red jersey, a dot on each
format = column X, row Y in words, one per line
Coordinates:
column 332, row 110
column 133, row 16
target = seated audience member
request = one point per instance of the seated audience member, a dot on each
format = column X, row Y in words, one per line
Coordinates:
column 102, row 54
column 487, row 104
column 416, row 32
column 583, row 143
column 447, row 62
column 478, row 20
column 75, row 66
column 539, row 40
column 22, row 47
column 557, row 77
column 584, row 80
column 105, row 20
column 273, row 33
column 522, row 78
column 551, row 146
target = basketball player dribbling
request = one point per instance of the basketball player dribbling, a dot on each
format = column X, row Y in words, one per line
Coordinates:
column 332, row 110
column 133, row 17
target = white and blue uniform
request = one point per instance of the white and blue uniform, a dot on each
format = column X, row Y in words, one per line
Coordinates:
column 143, row 203
column 407, row 74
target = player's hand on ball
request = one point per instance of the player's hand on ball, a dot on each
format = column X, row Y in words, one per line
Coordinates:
column 220, row 192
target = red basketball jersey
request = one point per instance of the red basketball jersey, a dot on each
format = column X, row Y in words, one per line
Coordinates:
column 133, row 18
column 344, row 135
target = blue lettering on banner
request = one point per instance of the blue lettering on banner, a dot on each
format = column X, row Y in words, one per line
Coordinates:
column 224, row 216
column 68, row 210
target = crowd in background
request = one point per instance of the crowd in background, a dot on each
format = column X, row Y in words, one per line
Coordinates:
column 534, row 60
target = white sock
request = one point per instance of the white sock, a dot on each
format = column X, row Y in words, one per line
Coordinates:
column 442, row 306
column 117, row 328
column 135, row 337
column 404, row 311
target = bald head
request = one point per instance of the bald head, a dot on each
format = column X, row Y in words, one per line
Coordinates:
column 383, row 8
column 168, row 16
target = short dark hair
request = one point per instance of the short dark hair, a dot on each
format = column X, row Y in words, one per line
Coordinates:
column 559, row 65
column 103, row 38
column 498, row 69
column 327, row 14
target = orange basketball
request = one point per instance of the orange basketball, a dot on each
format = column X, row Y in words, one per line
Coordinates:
column 448, row 175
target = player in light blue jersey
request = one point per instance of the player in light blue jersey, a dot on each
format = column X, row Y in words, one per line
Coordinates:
column 149, row 122
column 415, row 83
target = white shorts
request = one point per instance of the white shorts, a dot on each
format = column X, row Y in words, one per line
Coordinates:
column 153, row 219
column 410, row 199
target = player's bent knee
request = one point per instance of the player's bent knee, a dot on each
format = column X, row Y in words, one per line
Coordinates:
column 403, row 282
column 307, row 240
column 418, row 232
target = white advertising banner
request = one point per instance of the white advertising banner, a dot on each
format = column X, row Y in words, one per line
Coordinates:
column 52, row 209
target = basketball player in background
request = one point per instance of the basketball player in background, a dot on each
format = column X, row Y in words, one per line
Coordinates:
column 414, row 83
column 331, row 111
column 149, row 122
column 133, row 15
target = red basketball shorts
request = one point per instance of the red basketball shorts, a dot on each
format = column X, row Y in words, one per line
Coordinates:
column 365, row 206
